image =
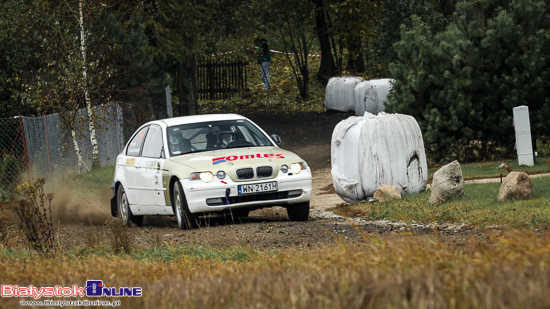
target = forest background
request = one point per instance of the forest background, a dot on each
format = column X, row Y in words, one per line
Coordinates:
column 459, row 66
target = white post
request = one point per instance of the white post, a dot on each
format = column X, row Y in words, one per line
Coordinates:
column 522, row 126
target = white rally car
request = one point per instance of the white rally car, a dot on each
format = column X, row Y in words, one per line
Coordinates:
column 196, row 165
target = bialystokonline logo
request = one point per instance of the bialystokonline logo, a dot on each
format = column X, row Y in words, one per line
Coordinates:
column 93, row 288
column 247, row 157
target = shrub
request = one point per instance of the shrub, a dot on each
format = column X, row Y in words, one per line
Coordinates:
column 462, row 83
column 35, row 212
column 120, row 238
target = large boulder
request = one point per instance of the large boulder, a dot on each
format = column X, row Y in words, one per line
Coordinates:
column 339, row 93
column 369, row 151
column 516, row 186
column 387, row 193
column 447, row 184
column 371, row 95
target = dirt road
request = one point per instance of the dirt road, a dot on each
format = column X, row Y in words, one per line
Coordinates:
column 266, row 229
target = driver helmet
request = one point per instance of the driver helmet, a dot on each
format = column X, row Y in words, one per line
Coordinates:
column 226, row 136
column 175, row 140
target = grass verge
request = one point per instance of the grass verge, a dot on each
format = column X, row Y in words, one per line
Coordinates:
column 490, row 169
column 478, row 207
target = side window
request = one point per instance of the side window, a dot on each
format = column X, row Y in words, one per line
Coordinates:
column 135, row 143
column 152, row 148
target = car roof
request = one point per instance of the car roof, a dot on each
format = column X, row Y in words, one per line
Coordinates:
column 197, row 119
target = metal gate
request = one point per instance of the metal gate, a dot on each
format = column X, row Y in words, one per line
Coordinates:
column 221, row 78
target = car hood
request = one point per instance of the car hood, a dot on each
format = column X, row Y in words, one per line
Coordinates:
column 231, row 159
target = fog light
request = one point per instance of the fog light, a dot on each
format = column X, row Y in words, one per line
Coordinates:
column 220, row 174
column 294, row 193
column 284, row 168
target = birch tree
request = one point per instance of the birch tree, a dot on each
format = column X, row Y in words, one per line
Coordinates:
column 89, row 108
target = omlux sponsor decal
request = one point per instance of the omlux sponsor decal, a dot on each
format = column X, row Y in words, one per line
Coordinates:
column 246, row 157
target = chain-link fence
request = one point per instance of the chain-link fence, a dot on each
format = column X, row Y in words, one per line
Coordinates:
column 44, row 146
column 12, row 160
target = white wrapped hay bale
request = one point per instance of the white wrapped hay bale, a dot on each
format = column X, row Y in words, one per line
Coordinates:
column 370, row 151
column 346, row 176
column 392, row 151
column 340, row 94
column 371, row 95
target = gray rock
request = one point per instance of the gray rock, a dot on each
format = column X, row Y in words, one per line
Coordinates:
column 516, row 186
column 448, row 183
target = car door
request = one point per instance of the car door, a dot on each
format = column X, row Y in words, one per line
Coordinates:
column 149, row 165
column 129, row 169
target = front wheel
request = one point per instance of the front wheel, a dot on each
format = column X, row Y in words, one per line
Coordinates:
column 124, row 211
column 186, row 220
column 298, row 212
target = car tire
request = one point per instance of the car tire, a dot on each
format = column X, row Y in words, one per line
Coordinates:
column 186, row 220
column 124, row 211
column 298, row 212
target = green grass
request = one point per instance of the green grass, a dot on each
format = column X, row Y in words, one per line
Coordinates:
column 491, row 170
column 164, row 254
column 478, row 207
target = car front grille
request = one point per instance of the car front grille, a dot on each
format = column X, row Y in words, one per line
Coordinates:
column 245, row 173
column 272, row 196
column 258, row 197
column 264, row 171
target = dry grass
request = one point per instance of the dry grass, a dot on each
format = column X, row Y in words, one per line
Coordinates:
column 508, row 271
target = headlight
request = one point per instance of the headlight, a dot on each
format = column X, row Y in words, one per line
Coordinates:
column 284, row 168
column 204, row 176
column 296, row 168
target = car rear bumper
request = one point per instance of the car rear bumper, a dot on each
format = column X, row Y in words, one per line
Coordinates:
column 219, row 196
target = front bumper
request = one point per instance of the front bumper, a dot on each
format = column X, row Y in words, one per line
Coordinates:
column 220, row 195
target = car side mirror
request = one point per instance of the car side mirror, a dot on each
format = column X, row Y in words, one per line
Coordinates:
column 276, row 138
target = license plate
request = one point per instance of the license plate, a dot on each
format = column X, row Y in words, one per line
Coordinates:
column 258, row 188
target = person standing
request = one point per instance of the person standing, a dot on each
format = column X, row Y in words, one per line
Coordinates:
column 264, row 60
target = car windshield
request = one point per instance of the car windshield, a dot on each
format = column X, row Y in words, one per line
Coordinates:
column 214, row 135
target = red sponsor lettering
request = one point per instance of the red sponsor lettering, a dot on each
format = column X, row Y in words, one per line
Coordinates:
column 247, row 157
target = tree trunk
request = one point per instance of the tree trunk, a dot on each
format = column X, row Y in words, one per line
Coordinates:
column 327, row 68
column 304, row 87
column 187, row 88
column 159, row 96
column 77, row 151
column 91, row 119
column 356, row 61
